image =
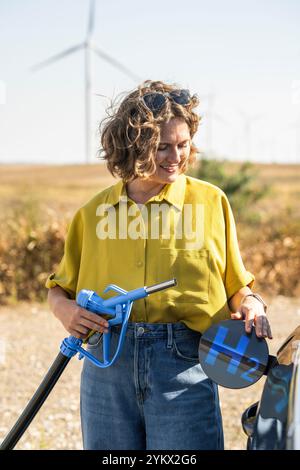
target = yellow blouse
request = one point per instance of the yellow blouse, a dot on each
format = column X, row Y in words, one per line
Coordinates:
column 187, row 231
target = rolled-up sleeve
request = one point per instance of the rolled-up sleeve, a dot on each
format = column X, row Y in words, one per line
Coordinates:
column 236, row 275
column 66, row 275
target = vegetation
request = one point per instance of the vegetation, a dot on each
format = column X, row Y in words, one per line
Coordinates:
column 241, row 187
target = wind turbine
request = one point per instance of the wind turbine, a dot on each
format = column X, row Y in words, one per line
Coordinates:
column 249, row 120
column 88, row 47
column 211, row 116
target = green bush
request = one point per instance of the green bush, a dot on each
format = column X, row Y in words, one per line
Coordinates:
column 240, row 187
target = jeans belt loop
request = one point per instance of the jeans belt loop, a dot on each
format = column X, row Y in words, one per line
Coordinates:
column 170, row 335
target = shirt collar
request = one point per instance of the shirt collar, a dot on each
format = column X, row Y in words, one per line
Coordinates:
column 173, row 193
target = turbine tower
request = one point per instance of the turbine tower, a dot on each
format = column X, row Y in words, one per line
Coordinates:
column 210, row 116
column 88, row 47
column 248, row 121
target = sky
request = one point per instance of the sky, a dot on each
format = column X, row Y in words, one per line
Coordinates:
column 241, row 58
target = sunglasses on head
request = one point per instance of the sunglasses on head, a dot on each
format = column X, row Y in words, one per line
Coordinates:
column 155, row 100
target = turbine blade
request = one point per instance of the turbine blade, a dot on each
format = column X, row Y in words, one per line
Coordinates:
column 91, row 22
column 116, row 64
column 56, row 57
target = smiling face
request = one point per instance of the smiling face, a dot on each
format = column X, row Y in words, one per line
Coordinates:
column 173, row 150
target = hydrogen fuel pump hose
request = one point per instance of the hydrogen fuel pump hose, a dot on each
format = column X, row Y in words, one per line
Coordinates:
column 119, row 307
column 36, row 402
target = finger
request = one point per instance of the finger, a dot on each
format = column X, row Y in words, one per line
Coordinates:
column 262, row 327
column 76, row 333
column 249, row 325
column 236, row 316
column 94, row 318
column 91, row 325
column 265, row 324
column 259, row 325
column 249, row 320
column 270, row 336
column 81, row 329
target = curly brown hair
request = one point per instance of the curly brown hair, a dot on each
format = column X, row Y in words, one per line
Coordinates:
column 130, row 134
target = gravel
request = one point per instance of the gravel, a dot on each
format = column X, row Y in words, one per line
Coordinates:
column 29, row 342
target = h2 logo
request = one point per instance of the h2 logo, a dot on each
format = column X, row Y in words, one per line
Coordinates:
column 230, row 356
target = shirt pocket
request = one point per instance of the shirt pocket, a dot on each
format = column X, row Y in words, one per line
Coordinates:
column 191, row 268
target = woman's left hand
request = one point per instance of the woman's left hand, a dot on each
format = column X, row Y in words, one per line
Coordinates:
column 252, row 311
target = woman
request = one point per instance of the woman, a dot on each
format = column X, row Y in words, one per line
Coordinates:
column 154, row 224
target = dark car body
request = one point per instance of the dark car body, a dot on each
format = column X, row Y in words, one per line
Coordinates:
column 273, row 422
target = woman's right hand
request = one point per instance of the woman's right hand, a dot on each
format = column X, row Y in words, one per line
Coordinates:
column 77, row 320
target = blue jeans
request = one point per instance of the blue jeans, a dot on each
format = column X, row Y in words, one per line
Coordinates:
column 154, row 397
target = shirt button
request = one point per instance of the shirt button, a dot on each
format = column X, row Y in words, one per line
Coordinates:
column 140, row 331
column 139, row 264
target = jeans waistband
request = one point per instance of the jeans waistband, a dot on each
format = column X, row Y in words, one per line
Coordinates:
column 157, row 330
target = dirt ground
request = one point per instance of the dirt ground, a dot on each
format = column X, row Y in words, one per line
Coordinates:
column 29, row 341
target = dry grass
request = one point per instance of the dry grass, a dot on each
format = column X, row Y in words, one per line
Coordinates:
column 62, row 188
column 68, row 186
